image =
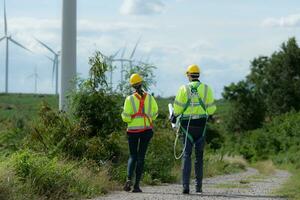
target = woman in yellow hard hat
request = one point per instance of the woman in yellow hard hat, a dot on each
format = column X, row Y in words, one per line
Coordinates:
column 140, row 110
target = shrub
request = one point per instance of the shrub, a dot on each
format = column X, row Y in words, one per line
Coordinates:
column 160, row 159
column 278, row 140
column 52, row 178
column 90, row 131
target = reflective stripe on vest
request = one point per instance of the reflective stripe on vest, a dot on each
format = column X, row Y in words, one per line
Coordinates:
column 205, row 93
column 139, row 127
column 133, row 104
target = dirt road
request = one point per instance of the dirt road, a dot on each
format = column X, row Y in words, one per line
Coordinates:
column 246, row 185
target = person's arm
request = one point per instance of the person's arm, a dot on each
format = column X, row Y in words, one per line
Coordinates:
column 127, row 110
column 154, row 108
column 210, row 102
column 180, row 101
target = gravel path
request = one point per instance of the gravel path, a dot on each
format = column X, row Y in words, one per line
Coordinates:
column 246, row 185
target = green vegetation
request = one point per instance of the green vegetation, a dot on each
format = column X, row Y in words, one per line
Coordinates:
column 271, row 88
column 290, row 189
column 48, row 154
column 263, row 119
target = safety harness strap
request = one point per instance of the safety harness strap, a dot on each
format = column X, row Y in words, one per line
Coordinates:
column 192, row 90
column 141, row 113
column 188, row 134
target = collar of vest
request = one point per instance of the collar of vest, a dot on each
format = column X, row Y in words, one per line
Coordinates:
column 139, row 96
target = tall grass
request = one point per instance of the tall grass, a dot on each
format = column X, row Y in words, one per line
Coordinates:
column 291, row 188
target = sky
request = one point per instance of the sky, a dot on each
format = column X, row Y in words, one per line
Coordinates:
column 221, row 36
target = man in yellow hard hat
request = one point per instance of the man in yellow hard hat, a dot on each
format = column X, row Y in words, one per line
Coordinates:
column 194, row 104
column 140, row 110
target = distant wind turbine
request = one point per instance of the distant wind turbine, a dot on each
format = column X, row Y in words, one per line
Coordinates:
column 8, row 38
column 122, row 65
column 36, row 77
column 110, row 61
column 55, row 61
column 133, row 52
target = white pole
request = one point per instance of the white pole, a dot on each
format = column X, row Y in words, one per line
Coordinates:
column 56, row 74
column 68, row 58
column 35, row 80
column 6, row 64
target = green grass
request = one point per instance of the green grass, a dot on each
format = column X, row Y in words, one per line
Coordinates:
column 28, row 175
column 23, row 106
column 291, row 188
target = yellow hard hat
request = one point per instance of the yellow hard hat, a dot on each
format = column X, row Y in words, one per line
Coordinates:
column 135, row 79
column 193, row 69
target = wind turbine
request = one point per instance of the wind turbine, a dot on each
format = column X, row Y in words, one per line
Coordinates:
column 110, row 60
column 133, row 52
column 55, row 61
column 8, row 38
column 36, row 77
column 122, row 65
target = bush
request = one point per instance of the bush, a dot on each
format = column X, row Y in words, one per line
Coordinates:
column 278, row 140
column 90, row 131
column 35, row 176
column 55, row 133
column 160, row 159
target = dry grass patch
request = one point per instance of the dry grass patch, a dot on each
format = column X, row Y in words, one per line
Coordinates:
column 265, row 167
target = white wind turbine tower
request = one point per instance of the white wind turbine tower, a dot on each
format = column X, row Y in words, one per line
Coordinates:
column 68, row 53
column 8, row 38
column 55, row 61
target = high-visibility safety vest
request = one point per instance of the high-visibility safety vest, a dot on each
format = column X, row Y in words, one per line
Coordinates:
column 139, row 112
column 188, row 105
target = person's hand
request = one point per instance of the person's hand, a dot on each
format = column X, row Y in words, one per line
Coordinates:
column 173, row 119
column 211, row 118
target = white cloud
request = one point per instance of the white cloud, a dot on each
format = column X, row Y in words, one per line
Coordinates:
column 142, row 7
column 288, row 21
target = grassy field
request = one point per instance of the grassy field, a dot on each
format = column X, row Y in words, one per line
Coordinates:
column 23, row 105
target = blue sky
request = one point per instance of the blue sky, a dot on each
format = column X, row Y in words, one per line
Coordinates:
column 222, row 36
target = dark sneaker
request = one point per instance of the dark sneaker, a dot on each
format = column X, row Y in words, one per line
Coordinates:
column 127, row 186
column 137, row 189
column 185, row 191
column 198, row 189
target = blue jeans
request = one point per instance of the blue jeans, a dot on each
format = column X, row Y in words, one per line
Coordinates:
column 187, row 162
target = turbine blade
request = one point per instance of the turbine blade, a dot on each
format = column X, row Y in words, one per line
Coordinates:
column 114, row 55
column 2, row 38
column 20, row 45
column 122, row 60
column 123, row 52
column 30, row 76
column 134, row 49
column 49, row 58
column 5, row 19
column 46, row 46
